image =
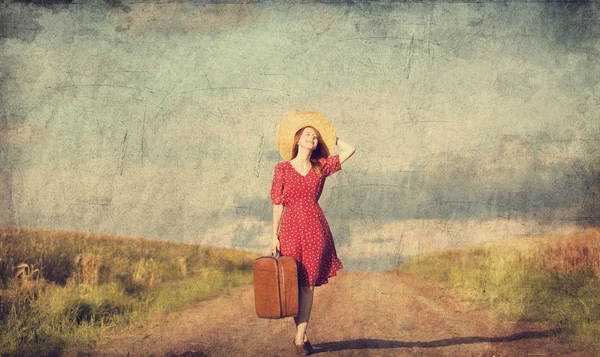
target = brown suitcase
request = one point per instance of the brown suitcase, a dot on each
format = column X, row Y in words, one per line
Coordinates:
column 276, row 287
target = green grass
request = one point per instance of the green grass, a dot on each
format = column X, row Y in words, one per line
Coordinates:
column 552, row 279
column 61, row 289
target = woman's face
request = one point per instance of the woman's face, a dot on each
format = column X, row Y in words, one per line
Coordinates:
column 309, row 139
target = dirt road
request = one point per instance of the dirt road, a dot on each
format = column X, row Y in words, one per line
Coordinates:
column 355, row 314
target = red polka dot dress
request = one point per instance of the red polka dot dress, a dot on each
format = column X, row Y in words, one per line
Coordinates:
column 304, row 232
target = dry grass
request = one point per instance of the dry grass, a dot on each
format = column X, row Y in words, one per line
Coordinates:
column 554, row 279
column 94, row 258
column 572, row 254
column 61, row 288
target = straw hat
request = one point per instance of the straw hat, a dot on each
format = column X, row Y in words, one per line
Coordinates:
column 298, row 120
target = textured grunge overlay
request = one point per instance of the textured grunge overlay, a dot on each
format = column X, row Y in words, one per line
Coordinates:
column 473, row 121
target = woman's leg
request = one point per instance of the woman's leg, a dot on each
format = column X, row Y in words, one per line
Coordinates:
column 305, row 335
column 305, row 307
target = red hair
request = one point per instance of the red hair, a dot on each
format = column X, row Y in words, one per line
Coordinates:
column 318, row 153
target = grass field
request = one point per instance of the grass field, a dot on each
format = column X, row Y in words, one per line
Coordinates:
column 59, row 289
column 554, row 279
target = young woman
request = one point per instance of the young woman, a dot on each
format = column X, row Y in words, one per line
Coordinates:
column 304, row 232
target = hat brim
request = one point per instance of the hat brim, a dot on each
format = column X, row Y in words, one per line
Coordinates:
column 292, row 123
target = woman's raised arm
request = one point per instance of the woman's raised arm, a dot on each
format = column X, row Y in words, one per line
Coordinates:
column 347, row 150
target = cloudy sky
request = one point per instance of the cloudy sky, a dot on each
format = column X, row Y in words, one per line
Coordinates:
column 159, row 119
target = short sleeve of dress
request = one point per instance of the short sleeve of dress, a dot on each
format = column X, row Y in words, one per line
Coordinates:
column 332, row 165
column 277, row 185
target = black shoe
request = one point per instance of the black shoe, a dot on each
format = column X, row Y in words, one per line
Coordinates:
column 309, row 347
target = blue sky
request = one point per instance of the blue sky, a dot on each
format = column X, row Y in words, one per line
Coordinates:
column 159, row 119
